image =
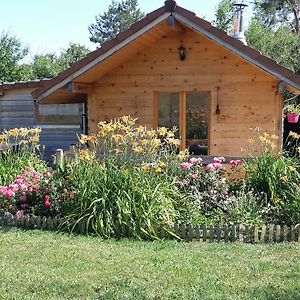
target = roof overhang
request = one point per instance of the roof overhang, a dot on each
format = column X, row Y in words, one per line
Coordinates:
column 187, row 19
column 290, row 84
column 39, row 95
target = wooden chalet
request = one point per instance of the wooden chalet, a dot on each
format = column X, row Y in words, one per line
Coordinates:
column 175, row 69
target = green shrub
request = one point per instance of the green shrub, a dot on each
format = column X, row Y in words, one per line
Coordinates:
column 278, row 177
column 114, row 200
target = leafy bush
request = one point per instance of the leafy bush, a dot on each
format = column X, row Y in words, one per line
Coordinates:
column 35, row 193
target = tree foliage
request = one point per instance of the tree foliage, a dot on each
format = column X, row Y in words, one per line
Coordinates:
column 11, row 53
column 119, row 17
column 278, row 13
column 280, row 45
column 50, row 65
column 71, row 55
column 224, row 16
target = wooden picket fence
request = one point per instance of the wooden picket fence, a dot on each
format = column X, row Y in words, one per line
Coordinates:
column 215, row 233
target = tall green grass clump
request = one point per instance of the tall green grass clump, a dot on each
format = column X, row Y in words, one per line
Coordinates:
column 277, row 176
column 121, row 184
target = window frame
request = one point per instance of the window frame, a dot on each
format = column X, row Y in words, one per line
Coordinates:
column 182, row 114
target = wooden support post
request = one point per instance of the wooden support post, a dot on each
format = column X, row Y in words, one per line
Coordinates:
column 59, row 158
column 155, row 110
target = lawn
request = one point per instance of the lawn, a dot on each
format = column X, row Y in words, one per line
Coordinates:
column 42, row 265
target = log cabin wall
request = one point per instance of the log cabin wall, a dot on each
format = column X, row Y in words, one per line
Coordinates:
column 248, row 97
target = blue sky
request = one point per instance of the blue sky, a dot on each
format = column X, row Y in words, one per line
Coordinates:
column 49, row 25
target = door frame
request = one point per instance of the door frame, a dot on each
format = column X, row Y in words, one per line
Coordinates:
column 182, row 114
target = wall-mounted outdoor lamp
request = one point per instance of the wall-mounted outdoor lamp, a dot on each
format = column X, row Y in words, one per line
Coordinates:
column 182, row 53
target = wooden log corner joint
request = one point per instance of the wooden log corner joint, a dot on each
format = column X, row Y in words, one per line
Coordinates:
column 80, row 88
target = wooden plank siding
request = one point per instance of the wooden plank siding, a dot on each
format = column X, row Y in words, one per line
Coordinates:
column 60, row 123
column 248, row 97
column 16, row 109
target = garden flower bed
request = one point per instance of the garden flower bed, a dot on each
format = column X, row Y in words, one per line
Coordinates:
column 127, row 181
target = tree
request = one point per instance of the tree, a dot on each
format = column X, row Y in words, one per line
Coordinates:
column 275, row 13
column 224, row 16
column 119, row 17
column 280, row 45
column 50, row 65
column 71, row 55
column 45, row 66
column 11, row 53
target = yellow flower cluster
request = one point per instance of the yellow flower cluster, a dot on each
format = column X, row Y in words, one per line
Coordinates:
column 123, row 136
column 294, row 135
column 86, row 154
column 156, row 167
column 183, row 155
column 263, row 143
column 20, row 136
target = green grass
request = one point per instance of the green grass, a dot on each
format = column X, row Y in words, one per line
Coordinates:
column 41, row 265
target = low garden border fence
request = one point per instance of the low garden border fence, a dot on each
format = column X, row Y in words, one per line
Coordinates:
column 268, row 233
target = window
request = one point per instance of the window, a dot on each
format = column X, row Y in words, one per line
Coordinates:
column 189, row 112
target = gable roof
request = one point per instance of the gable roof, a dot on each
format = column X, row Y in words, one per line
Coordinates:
column 151, row 20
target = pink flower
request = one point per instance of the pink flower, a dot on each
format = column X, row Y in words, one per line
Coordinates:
column 23, row 198
column 23, row 187
column 195, row 161
column 20, row 213
column 185, row 182
column 186, row 165
column 19, row 181
column 47, row 202
column 48, row 174
column 23, row 205
column 10, row 206
column 210, row 168
column 9, row 194
column 218, row 166
column 218, row 160
column 213, row 167
column 195, row 176
column 235, row 162
column 13, row 187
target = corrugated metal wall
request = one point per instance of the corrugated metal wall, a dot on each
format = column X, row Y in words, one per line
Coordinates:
column 60, row 123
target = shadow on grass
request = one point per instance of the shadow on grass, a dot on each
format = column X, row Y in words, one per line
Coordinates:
column 7, row 229
column 272, row 293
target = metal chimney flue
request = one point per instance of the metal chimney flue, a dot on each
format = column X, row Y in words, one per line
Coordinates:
column 239, row 27
column 170, row 5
